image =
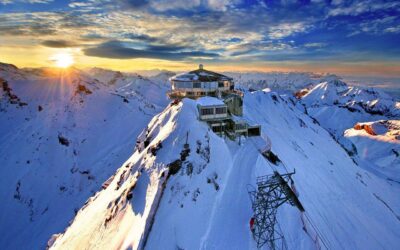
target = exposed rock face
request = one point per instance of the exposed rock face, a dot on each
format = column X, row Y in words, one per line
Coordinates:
column 366, row 127
column 10, row 95
column 301, row 93
column 82, row 89
column 390, row 128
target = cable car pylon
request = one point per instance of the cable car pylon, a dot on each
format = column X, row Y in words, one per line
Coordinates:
column 272, row 192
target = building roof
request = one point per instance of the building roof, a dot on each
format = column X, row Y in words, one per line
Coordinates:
column 209, row 101
column 201, row 75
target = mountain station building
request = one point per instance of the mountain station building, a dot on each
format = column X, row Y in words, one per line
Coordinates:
column 218, row 103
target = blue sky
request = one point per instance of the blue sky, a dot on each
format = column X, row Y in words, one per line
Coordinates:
column 364, row 35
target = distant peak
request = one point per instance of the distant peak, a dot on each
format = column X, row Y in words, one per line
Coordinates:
column 334, row 79
column 8, row 65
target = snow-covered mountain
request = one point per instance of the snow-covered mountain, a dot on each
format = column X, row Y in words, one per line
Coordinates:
column 333, row 91
column 96, row 159
column 277, row 81
column 339, row 107
column 11, row 72
column 378, row 146
column 168, row 196
column 62, row 134
column 109, row 77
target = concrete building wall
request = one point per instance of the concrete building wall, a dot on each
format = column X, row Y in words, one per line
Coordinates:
column 235, row 105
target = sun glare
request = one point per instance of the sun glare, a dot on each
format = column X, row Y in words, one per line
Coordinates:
column 63, row 60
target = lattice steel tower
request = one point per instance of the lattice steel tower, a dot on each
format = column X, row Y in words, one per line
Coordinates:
column 272, row 191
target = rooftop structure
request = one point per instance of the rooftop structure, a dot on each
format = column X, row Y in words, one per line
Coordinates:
column 211, row 108
column 200, row 82
column 219, row 116
column 209, row 101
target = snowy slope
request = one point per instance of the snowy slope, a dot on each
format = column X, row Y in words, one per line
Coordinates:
column 378, row 146
column 338, row 107
column 62, row 134
column 150, row 91
column 372, row 101
column 109, row 77
column 205, row 205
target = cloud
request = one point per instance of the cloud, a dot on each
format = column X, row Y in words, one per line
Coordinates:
column 314, row 45
column 361, row 7
column 193, row 5
column 134, row 4
column 221, row 5
column 58, row 44
column 141, row 37
column 395, row 29
column 27, row 30
column 4, row 2
column 221, row 30
column 80, row 4
column 117, row 50
column 376, row 26
column 287, row 29
column 92, row 37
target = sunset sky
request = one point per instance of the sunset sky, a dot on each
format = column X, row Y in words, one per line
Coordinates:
column 344, row 37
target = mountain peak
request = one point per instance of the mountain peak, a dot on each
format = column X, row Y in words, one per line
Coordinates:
column 334, row 80
column 7, row 65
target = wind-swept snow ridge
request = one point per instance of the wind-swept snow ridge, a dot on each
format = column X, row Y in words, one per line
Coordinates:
column 205, row 205
column 118, row 215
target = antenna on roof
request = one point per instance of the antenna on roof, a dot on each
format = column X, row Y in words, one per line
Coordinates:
column 200, row 66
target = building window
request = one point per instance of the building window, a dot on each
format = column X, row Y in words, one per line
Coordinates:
column 207, row 111
column 240, row 126
column 220, row 84
column 220, row 110
column 218, row 128
column 196, row 85
column 183, row 85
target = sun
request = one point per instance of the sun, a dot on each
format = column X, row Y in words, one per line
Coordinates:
column 63, row 60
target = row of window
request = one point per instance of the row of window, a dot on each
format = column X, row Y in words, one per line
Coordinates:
column 207, row 111
column 225, row 84
column 182, row 84
column 221, row 110
column 210, row 111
